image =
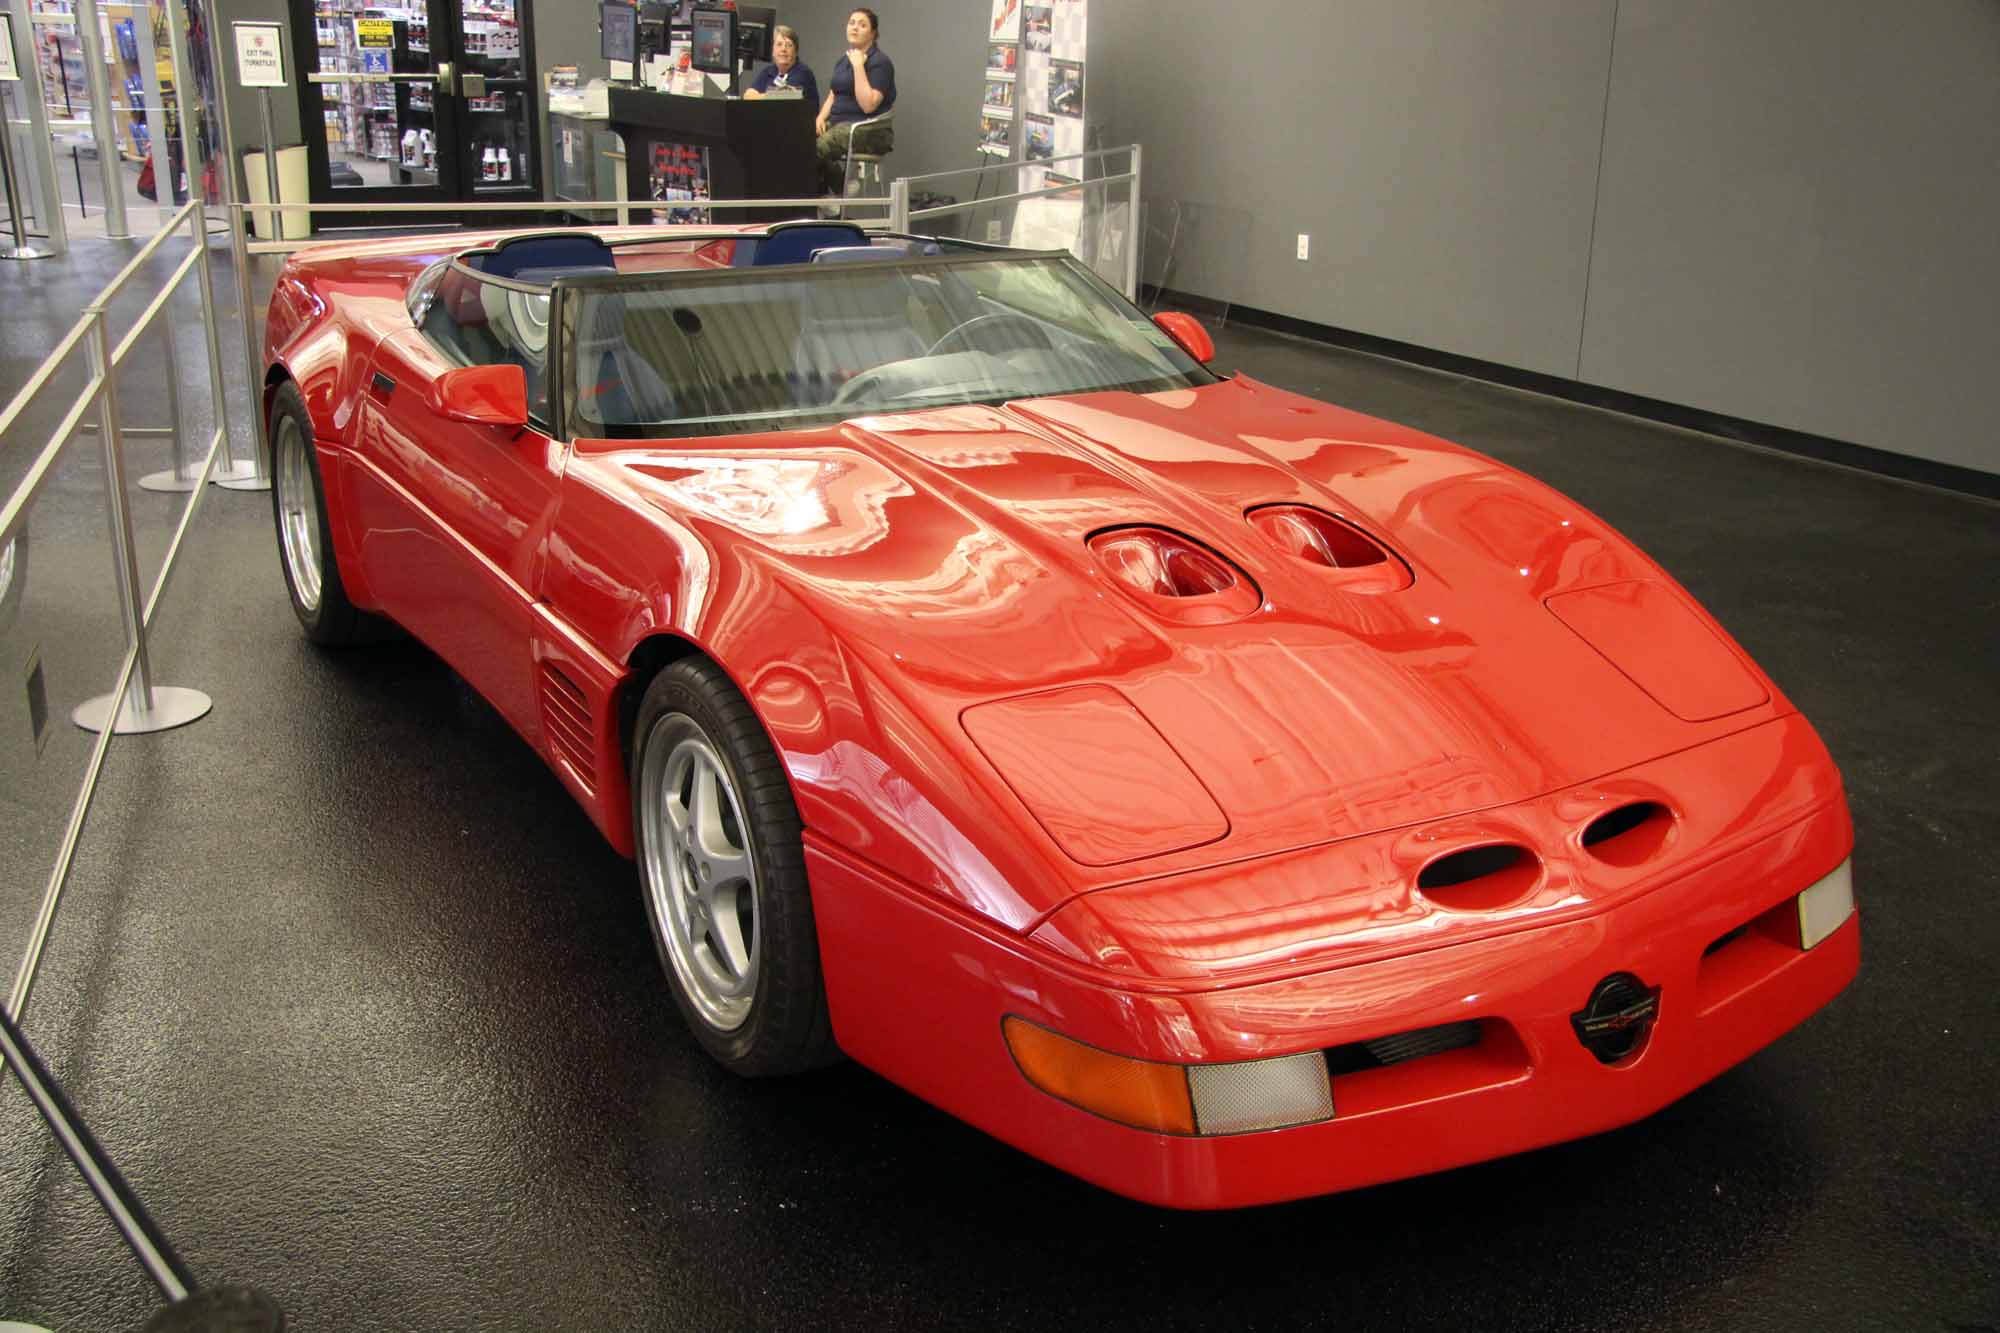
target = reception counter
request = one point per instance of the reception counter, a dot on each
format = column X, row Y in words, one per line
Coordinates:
column 759, row 149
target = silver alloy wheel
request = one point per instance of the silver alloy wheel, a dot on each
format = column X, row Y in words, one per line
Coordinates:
column 298, row 511
column 700, row 872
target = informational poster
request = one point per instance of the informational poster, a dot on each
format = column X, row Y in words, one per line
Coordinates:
column 260, row 55
column 1050, row 102
column 1003, row 57
column 1006, row 21
column 8, row 72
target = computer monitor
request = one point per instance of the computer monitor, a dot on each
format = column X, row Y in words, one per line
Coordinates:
column 714, row 41
column 618, row 30
column 754, row 26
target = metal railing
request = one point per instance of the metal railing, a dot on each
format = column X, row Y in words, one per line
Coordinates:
column 136, row 702
column 1101, row 231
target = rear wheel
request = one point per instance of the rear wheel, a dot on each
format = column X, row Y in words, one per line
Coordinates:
column 298, row 503
column 723, row 866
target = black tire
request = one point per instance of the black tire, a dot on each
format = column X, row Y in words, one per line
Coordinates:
column 771, row 1017
column 324, row 612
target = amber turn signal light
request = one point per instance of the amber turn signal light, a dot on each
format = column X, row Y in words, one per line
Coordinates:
column 1141, row 1093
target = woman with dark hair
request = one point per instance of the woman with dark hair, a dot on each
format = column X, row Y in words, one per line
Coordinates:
column 863, row 85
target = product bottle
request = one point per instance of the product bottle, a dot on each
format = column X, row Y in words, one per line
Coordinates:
column 489, row 169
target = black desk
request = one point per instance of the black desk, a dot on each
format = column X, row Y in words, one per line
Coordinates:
column 759, row 149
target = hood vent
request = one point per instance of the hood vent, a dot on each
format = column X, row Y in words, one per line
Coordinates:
column 1175, row 577
column 1630, row 834
column 1362, row 563
column 1481, row 879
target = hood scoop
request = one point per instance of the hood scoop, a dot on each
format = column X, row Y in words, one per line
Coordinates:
column 1174, row 577
column 1358, row 562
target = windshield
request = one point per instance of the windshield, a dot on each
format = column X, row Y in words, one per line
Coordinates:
column 731, row 351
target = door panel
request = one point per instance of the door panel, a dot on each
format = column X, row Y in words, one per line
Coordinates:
column 451, row 521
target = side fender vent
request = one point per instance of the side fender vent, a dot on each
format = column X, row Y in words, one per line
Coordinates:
column 1481, row 879
column 567, row 722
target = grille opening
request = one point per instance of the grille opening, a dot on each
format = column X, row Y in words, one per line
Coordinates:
column 1726, row 938
column 1394, row 1050
column 1630, row 834
column 1480, row 879
column 1420, row 1067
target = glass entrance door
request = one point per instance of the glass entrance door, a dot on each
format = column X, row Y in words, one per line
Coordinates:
column 496, row 58
column 423, row 100
column 374, row 106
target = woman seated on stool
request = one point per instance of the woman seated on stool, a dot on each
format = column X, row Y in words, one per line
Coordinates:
column 786, row 70
column 863, row 85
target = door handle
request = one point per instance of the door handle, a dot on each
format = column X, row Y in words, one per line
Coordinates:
column 444, row 75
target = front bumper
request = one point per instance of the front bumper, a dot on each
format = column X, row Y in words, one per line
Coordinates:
column 918, row 992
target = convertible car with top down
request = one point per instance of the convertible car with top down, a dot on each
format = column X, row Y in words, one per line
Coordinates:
column 1216, row 793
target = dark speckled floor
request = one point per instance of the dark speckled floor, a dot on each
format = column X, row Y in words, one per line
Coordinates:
column 368, row 1013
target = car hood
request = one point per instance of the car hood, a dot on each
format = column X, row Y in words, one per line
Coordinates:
column 1533, row 648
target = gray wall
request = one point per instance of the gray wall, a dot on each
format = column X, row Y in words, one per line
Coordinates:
column 1783, row 210
column 1799, row 221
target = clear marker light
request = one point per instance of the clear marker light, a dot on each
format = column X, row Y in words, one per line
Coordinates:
column 1825, row 907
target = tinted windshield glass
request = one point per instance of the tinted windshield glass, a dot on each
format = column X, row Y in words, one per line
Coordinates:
column 776, row 349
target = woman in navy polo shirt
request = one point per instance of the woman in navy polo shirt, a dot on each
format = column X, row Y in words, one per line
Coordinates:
column 863, row 85
column 786, row 70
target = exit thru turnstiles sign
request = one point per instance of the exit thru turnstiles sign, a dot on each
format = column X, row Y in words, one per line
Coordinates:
column 260, row 55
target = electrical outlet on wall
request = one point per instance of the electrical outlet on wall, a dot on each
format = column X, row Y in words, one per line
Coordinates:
column 993, row 229
column 1305, row 246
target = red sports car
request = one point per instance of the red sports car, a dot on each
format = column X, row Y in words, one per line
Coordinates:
column 1216, row 793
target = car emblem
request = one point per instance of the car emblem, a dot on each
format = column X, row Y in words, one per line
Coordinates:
column 1620, row 1014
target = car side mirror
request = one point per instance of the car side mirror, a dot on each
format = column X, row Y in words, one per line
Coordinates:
column 1188, row 332
column 483, row 395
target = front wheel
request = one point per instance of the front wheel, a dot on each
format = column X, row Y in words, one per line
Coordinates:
column 723, row 865
column 298, row 503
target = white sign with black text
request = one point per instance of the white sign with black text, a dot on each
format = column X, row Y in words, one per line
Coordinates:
column 8, row 74
column 260, row 55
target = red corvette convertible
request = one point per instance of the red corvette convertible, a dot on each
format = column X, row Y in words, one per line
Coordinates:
column 1221, row 795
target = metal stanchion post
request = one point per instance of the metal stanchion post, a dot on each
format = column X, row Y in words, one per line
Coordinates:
column 899, row 205
column 102, row 127
column 185, row 474
column 145, row 706
column 34, row 110
column 235, row 199
column 1133, row 234
column 17, row 211
column 274, row 221
column 230, row 472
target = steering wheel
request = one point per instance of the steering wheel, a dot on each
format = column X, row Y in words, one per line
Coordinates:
column 1040, row 336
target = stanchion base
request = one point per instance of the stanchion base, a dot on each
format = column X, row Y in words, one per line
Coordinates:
column 169, row 480
column 233, row 476
column 9, row 250
column 173, row 706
